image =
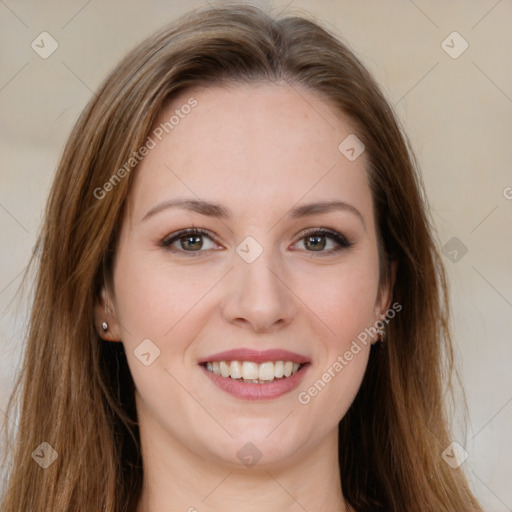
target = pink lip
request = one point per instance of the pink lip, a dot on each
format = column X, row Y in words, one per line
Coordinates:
column 250, row 391
column 257, row 356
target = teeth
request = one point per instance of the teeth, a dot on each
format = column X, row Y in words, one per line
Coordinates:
column 224, row 368
column 235, row 370
column 279, row 369
column 266, row 371
column 249, row 371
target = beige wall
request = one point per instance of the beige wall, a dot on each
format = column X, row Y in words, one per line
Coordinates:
column 457, row 112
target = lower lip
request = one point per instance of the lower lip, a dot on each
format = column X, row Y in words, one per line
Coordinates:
column 252, row 391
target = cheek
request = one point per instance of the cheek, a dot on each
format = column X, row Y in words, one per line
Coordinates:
column 157, row 301
column 344, row 298
column 347, row 307
column 330, row 391
column 154, row 298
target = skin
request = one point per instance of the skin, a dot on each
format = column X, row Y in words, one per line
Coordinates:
column 260, row 150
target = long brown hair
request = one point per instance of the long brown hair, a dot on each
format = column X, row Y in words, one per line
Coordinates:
column 76, row 391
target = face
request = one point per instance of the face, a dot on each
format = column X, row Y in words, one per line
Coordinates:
column 268, row 280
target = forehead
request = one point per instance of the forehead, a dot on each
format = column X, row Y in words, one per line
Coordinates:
column 248, row 144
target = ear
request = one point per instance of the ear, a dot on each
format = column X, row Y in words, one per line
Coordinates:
column 385, row 295
column 104, row 311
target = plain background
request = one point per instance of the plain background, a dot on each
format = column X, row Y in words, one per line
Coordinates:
column 456, row 111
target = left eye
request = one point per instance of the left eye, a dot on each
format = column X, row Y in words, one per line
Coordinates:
column 316, row 239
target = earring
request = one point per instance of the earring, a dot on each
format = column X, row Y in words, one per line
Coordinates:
column 104, row 325
column 382, row 336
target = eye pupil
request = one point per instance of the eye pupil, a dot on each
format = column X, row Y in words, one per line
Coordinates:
column 317, row 244
column 196, row 239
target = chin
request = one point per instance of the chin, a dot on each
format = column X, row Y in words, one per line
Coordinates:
column 255, row 447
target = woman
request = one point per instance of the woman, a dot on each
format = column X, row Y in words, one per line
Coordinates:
column 240, row 303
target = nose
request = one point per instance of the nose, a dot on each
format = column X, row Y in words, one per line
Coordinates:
column 259, row 297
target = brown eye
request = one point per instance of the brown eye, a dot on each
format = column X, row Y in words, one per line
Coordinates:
column 316, row 240
column 191, row 240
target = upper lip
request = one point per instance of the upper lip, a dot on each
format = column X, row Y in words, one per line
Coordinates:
column 257, row 356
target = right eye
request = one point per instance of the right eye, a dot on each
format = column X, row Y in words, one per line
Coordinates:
column 190, row 241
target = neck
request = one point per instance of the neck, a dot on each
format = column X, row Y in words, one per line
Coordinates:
column 178, row 479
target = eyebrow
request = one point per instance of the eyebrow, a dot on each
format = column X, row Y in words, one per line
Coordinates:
column 216, row 210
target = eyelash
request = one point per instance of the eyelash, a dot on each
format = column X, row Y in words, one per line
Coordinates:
column 339, row 239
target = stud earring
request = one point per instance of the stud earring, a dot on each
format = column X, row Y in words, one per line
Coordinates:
column 382, row 335
column 104, row 325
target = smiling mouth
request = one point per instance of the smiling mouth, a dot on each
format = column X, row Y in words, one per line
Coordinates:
column 254, row 373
